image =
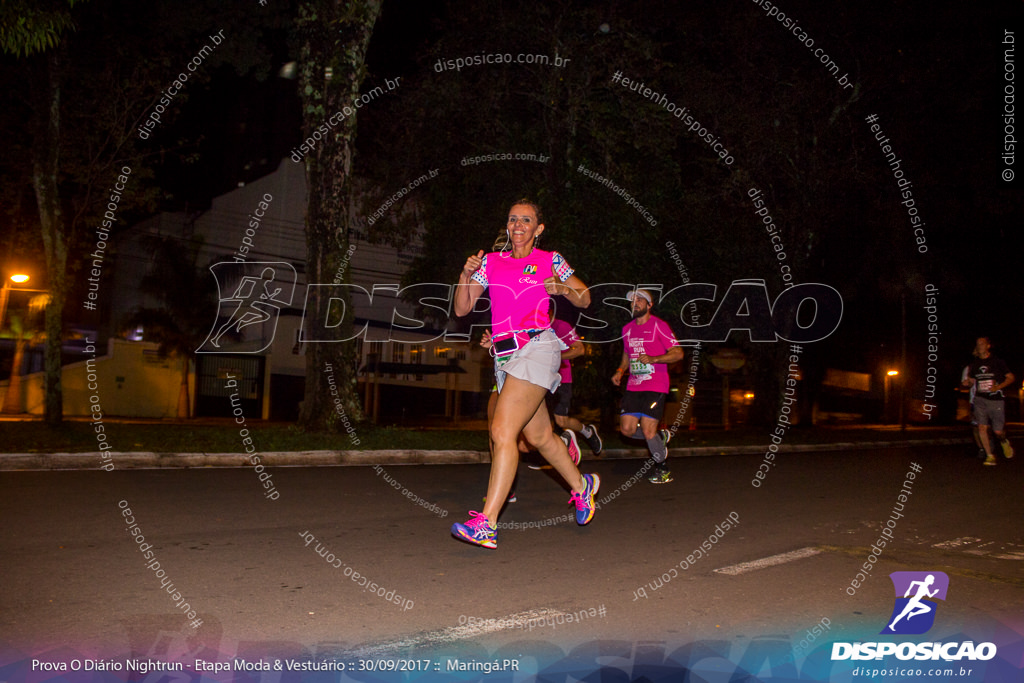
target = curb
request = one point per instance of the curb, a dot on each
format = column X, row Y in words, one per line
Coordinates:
column 143, row 460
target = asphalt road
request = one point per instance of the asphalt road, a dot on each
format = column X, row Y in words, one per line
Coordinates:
column 74, row 577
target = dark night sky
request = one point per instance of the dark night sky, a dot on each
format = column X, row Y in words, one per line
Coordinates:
column 932, row 74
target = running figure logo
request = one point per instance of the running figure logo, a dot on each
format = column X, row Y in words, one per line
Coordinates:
column 915, row 614
column 254, row 300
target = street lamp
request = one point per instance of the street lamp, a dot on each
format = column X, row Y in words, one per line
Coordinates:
column 14, row 383
column 5, row 293
column 888, row 380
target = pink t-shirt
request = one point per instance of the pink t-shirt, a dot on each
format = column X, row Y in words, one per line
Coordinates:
column 567, row 334
column 518, row 298
column 655, row 339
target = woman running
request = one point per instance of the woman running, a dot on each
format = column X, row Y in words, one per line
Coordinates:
column 527, row 355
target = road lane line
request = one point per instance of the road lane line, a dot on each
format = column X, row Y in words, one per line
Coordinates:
column 744, row 567
column 444, row 636
column 956, row 543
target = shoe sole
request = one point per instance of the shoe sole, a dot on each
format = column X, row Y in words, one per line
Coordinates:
column 463, row 536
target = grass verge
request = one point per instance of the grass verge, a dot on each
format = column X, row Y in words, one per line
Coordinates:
column 79, row 437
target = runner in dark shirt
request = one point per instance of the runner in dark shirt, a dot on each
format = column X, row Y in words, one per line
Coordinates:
column 989, row 375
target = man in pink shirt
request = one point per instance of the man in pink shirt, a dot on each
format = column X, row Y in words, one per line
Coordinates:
column 648, row 347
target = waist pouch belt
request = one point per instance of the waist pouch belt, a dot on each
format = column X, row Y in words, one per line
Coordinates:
column 507, row 343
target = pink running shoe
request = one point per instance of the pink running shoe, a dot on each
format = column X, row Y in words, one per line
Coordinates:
column 569, row 437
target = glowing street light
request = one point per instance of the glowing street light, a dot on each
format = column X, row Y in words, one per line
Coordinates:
column 11, row 401
column 5, row 293
column 888, row 380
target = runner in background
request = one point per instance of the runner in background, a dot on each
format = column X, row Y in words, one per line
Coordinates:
column 648, row 347
column 989, row 375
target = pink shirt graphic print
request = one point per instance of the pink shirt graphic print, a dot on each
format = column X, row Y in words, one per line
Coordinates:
column 518, row 298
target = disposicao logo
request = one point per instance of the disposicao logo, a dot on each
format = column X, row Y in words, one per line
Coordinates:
column 913, row 614
column 248, row 299
column 530, row 269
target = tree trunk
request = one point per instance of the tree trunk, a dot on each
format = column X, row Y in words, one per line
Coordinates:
column 334, row 37
column 45, row 162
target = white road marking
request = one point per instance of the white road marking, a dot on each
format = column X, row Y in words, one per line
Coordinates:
column 744, row 567
column 956, row 542
column 971, row 545
column 479, row 627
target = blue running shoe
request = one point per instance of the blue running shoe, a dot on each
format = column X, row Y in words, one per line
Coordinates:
column 585, row 501
column 477, row 530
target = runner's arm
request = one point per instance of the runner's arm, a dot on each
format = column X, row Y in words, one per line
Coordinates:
column 623, row 366
column 468, row 290
column 574, row 351
column 572, row 289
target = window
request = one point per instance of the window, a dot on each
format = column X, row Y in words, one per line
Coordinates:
column 417, row 352
column 397, row 356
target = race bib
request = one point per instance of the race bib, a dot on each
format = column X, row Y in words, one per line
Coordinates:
column 640, row 370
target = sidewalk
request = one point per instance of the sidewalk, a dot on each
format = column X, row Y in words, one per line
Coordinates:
column 684, row 444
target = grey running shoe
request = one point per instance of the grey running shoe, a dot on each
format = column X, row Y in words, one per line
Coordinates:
column 594, row 440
